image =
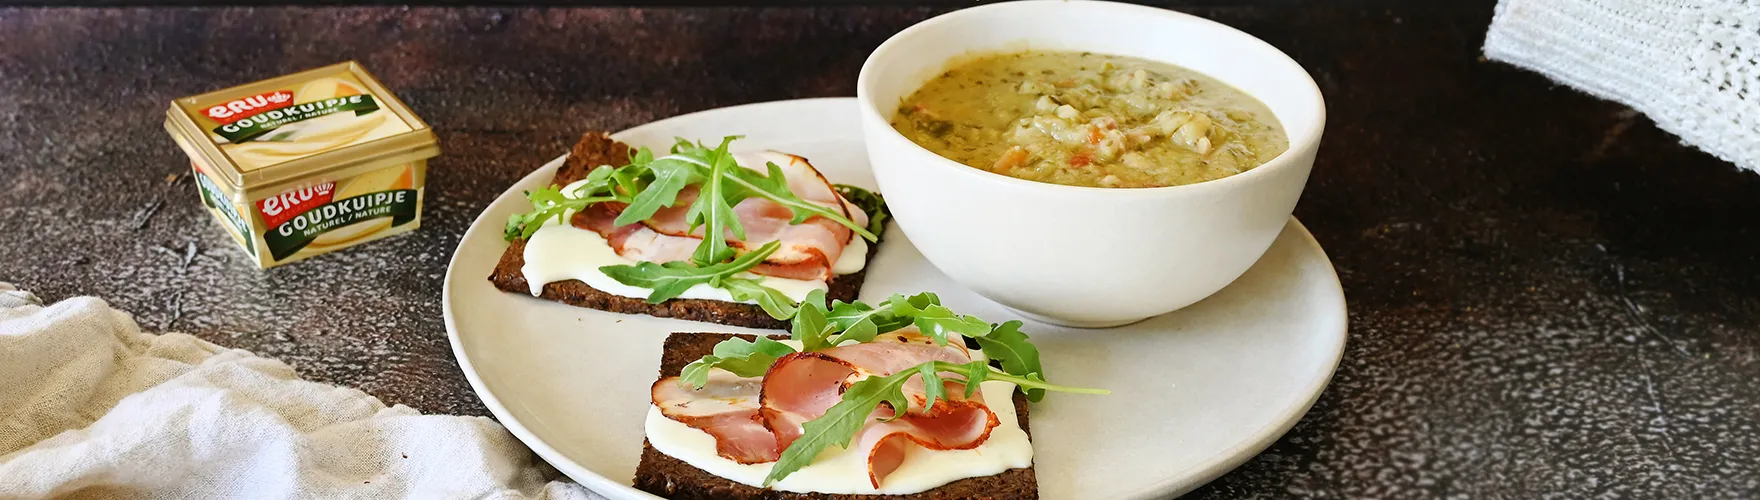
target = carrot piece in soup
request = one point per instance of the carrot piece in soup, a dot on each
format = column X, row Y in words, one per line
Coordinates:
column 1010, row 159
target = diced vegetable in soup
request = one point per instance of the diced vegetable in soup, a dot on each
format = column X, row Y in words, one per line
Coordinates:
column 1085, row 119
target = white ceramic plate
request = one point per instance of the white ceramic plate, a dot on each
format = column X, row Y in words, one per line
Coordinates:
column 1195, row 392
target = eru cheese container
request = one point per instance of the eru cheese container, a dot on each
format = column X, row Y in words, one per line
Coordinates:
column 306, row 163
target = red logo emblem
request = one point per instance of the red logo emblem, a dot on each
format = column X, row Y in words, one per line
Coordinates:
column 285, row 206
column 240, row 109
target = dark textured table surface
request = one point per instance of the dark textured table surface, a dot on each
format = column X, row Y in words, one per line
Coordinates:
column 1548, row 295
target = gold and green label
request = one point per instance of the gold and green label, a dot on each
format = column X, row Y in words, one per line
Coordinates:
column 213, row 199
column 257, row 125
column 296, row 232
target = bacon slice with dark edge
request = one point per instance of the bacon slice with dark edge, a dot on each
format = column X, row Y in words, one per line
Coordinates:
column 953, row 424
column 802, row 386
column 633, row 241
column 755, row 427
column 727, row 408
column 808, row 251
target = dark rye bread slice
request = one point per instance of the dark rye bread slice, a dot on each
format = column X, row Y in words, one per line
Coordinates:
column 594, row 149
column 669, row 477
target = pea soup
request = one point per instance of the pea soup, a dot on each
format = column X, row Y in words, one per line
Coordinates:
column 1085, row 119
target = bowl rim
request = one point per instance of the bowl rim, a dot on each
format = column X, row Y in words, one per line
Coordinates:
column 1311, row 136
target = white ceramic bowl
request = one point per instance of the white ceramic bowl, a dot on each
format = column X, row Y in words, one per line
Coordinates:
column 1082, row 256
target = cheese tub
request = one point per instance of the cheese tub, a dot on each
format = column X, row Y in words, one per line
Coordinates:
column 307, row 163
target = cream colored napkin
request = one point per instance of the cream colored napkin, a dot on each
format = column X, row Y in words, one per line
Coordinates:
column 1693, row 66
column 91, row 406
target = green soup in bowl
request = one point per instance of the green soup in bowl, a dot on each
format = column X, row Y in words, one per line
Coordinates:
column 1087, row 119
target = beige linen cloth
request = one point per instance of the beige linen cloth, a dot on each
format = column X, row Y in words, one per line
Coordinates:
column 92, row 407
column 1693, row 66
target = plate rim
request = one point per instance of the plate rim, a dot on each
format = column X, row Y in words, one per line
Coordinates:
column 594, row 481
column 1218, row 464
column 1233, row 457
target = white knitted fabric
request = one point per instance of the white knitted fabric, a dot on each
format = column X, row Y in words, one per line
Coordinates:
column 91, row 407
column 1693, row 66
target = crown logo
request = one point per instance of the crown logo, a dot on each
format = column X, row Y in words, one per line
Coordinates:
column 239, row 109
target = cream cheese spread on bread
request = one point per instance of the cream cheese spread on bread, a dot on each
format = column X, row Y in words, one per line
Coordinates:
column 559, row 252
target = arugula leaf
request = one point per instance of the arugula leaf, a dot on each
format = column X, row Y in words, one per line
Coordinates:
column 933, row 388
column 1025, row 382
column 856, row 320
column 597, row 181
column 935, row 320
column 919, row 301
column 517, row 223
column 551, row 203
column 939, row 323
column 842, row 421
column 975, row 374
column 779, row 306
column 774, row 187
column 682, row 146
column 629, row 179
column 671, row 279
column 671, row 175
column 740, row 356
column 861, row 322
column 810, row 327
column 869, row 202
column 641, row 156
column 713, row 210
column 1007, row 345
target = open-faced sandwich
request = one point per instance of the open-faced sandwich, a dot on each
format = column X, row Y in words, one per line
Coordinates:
column 902, row 397
column 622, row 229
